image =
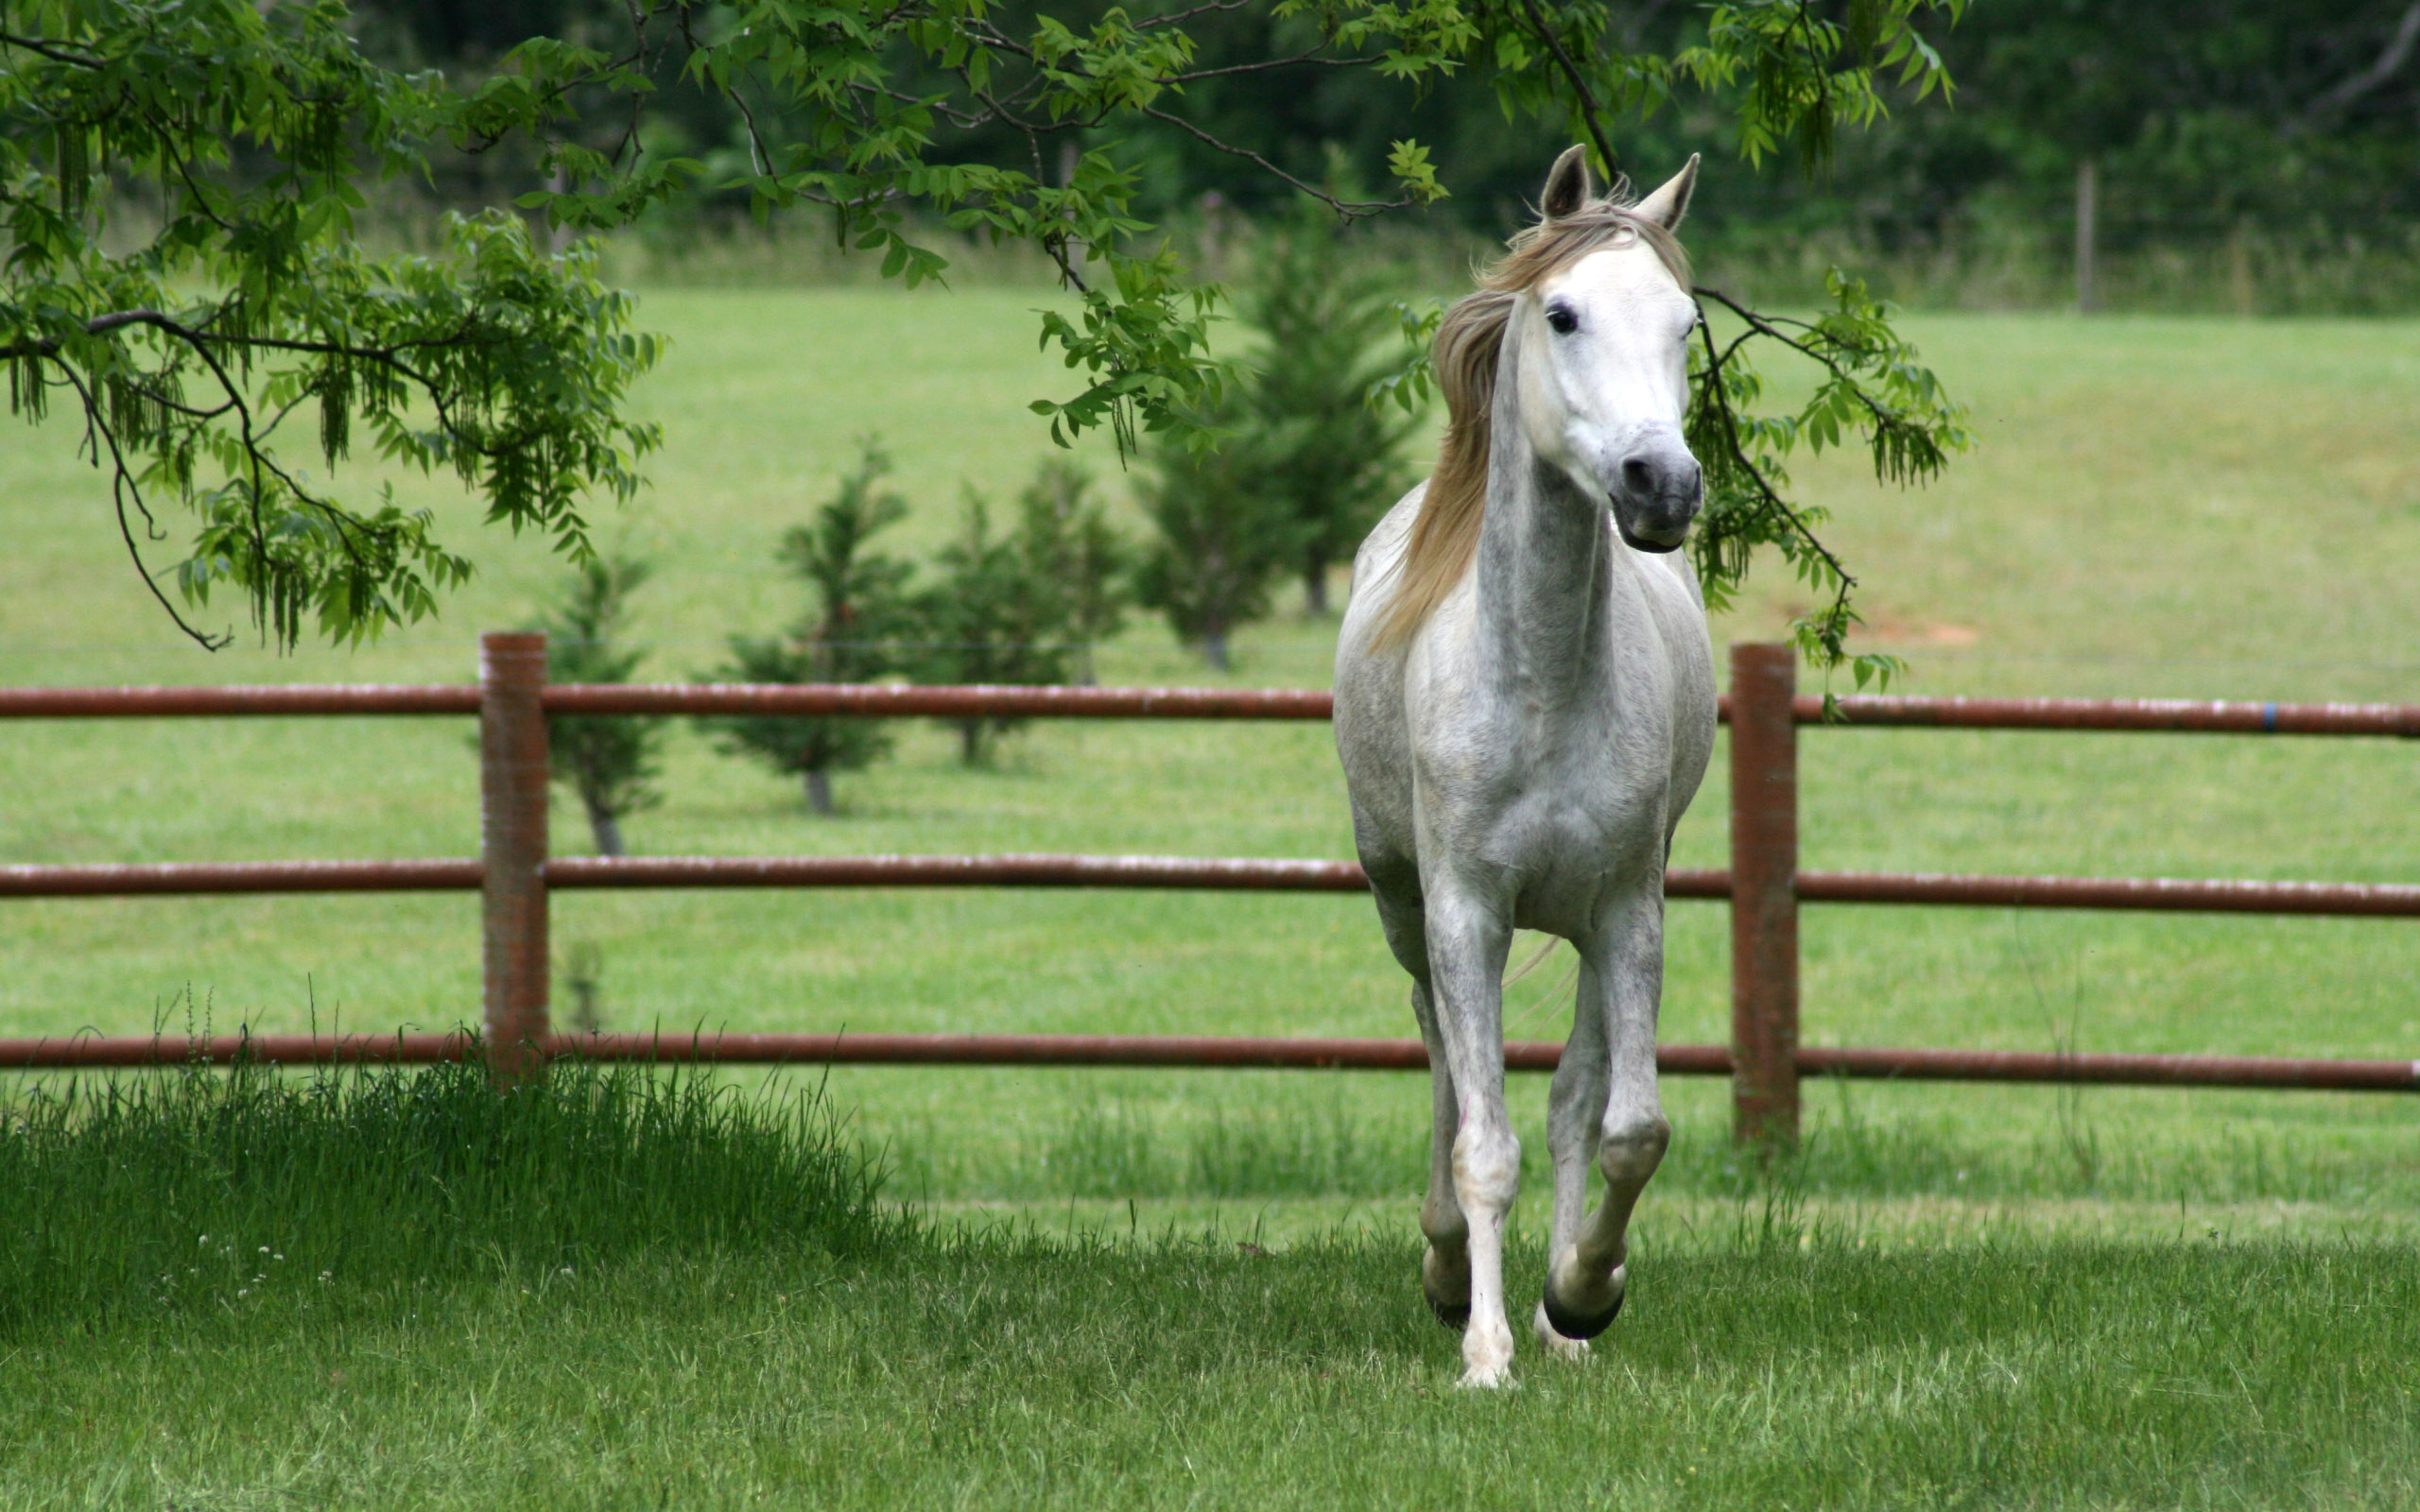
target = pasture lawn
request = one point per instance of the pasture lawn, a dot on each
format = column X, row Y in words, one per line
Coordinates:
column 404, row 1292
column 1001, row 1371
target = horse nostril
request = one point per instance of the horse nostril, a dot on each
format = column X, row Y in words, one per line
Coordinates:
column 1638, row 476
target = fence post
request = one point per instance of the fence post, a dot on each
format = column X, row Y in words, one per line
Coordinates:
column 512, row 848
column 1764, row 895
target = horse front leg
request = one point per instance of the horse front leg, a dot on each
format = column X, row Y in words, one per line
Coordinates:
column 1575, row 1122
column 1467, row 941
column 1587, row 1277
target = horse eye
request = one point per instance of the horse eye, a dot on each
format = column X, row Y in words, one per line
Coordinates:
column 1561, row 317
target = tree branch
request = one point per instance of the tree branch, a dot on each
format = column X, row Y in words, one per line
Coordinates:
column 1721, row 400
column 121, row 483
column 51, row 50
column 1764, row 327
column 2398, row 49
column 1589, row 109
column 1349, row 209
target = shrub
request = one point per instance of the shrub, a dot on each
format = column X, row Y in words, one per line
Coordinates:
column 1325, row 309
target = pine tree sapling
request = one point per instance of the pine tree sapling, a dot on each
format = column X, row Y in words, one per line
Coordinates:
column 1000, row 610
column 1325, row 309
column 1066, row 538
column 583, row 979
column 1224, row 535
column 610, row 761
column 857, row 615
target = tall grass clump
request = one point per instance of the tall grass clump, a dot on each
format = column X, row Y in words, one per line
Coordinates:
column 193, row 1189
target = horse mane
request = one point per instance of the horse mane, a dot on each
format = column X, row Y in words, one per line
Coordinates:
column 1470, row 339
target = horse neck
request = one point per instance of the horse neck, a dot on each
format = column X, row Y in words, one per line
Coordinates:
column 1545, row 557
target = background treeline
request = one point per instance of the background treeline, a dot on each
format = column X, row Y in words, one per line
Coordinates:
column 2260, row 156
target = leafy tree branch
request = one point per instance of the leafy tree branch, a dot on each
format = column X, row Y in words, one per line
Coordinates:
column 510, row 367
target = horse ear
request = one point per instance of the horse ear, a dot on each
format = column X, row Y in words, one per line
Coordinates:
column 1567, row 186
column 1667, row 205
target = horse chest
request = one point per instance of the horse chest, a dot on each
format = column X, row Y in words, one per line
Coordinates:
column 1553, row 816
column 1580, row 812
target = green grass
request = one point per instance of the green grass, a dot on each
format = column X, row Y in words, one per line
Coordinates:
column 613, row 1289
column 1007, row 1371
column 2161, row 508
column 150, row 1198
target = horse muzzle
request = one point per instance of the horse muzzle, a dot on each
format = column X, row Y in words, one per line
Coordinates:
column 1661, row 488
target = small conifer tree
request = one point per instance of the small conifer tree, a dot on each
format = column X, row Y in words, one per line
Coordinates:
column 1325, row 309
column 610, row 761
column 1065, row 538
column 995, row 612
column 858, row 615
column 1224, row 535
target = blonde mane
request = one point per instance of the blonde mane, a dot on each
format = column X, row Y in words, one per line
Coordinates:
column 1445, row 535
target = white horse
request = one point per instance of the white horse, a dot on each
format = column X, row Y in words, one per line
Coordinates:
column 1525, row 706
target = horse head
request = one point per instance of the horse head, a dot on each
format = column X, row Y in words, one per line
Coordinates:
column 1605, row 340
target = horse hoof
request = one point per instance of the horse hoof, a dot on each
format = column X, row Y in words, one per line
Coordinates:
column 1487, row 1357
column 1498, row 1379
column 1448, row 1287
column 1581, row 1325
column 1571, row 1351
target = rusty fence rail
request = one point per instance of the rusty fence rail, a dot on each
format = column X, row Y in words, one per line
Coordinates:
column 1178, row 1051
column 828, row 700
column 1764, row 884
column 2346, row 900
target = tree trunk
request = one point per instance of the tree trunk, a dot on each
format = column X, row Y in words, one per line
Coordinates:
column 1213, row 647
column 2087, row 236
column 818, row 790
column 1315, row 588
column 969, row 741
column 605, row 828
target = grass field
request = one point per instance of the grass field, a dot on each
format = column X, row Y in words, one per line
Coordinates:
column 2160, row 507
column 398, row 1290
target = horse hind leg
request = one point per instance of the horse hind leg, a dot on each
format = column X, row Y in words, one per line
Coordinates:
column 1445, row 1265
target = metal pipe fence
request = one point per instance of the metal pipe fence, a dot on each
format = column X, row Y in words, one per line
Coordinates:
column 1176, row 1050
column 515, row 874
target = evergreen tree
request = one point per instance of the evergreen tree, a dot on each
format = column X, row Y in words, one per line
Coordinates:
column 610, row 761
column 858, row 613
column 1325, row 308
column 1224, row 534
column 999, row 611
column 1066, row 538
